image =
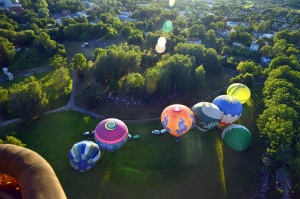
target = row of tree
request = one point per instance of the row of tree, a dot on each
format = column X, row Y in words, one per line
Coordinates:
column 279, row 122
column 180, row 71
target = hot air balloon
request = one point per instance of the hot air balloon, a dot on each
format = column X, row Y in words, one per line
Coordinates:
column 84, row 155
column 236, row 137
column 207, row 115
column 239, row 91
column 177, row 119
column 111, row 134
column 231, row 108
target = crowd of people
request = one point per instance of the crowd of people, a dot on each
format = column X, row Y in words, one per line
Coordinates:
column 263, row 187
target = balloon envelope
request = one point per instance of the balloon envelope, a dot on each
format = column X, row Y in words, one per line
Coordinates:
column 236, row 137
column 231, row 108
column 177, row 119
column 84, row 155
column 239, row 91
column 207, row 115
column 111, row 134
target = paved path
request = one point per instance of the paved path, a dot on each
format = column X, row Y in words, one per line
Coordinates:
column 283, row 177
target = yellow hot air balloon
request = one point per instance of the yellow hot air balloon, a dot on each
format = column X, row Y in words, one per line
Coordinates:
column 239, row 91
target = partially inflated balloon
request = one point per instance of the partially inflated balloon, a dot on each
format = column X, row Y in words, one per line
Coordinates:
column 231, row 108
column 236, row 137
column 177, row 119
column 111, row 134
column 84, row 155
column 239, row 91
column 207, row 115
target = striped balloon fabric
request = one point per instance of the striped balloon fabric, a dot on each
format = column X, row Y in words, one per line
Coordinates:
column 111, row 134
column 231, row 108
column 84, row 155
column 239, row 91
column 207, row 115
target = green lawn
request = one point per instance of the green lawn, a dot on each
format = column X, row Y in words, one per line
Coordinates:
column 152, row 166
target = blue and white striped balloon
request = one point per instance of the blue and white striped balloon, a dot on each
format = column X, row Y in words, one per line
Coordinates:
column 84, row 155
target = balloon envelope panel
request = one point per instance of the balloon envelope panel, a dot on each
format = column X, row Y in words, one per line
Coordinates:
column 239, row 91
column 231, row 108
column 84, row 155
column 207, row 115
column 111, row 134
column 236, row 137
column 177, row 119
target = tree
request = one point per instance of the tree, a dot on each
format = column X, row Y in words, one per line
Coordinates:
column 265, row 26
column 249, row 67
column 127, row 31
column 58, row 61
column 213, row 62
column 136, row 38
column 134, row 84
column 152, row 76
column 61, row 78
column 115, row 62
column 246, row 79
column 195, row 50
column 277, row 125
column 210, row 36
column 266, row 51
column 290, row 61
column 7, row 53
column 12, row 140
column 78, row 62
column 92, row 94
column 178, row 71
column 199, row 76
column 219, row 46
column 197, row 31
column 67, row 21
column 27, row 100
column 3, row 99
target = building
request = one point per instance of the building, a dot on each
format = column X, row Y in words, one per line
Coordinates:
column 238, row 44
column 193, row 40
column 265, row 60
column 88, row 4
column 7, row 3
column 8, row 74
column 254, row 47
column 66, row 12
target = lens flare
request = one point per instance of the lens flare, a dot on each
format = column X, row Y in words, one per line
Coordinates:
column 167, row 26
column 161, row 41
column 160, row 49
column 171, row 3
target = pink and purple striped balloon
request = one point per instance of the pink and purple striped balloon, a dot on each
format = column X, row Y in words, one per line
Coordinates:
column 111, row 134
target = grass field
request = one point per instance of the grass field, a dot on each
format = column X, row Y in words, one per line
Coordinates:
column 152, row 166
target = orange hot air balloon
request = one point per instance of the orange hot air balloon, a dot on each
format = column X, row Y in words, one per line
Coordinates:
column 177, row 119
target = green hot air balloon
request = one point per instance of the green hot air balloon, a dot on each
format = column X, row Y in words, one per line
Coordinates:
column 236, row 137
